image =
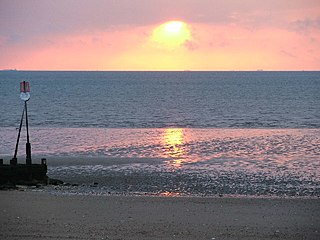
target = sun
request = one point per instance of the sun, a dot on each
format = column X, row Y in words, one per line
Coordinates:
column 171, row 34
column 173, row 27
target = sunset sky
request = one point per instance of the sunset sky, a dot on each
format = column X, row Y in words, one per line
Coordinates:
column 160, row 34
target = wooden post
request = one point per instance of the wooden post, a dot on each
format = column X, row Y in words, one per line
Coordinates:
column 28, row 145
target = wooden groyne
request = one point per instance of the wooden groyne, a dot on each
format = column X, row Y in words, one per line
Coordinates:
column 23, row 174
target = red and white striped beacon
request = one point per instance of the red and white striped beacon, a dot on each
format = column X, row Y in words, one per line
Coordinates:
column 24, row 91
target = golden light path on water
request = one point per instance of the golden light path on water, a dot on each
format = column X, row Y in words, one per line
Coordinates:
column 173, row 138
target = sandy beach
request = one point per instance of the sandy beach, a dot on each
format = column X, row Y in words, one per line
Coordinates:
column 40, row 215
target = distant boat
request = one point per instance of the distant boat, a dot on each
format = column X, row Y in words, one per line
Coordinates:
column 259, row 70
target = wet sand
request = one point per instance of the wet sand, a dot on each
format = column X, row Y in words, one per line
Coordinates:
column 39, row 215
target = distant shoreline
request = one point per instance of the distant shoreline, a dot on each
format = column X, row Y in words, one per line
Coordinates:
column 9, row 70
column 182, row 71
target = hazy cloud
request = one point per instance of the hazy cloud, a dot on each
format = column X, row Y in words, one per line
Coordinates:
column 306, row 25
column 288, row 54
column 52, row 16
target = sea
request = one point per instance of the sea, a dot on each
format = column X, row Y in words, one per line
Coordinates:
column 188, row 133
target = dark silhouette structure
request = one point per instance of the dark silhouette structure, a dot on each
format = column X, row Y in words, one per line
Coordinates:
column 28, row 173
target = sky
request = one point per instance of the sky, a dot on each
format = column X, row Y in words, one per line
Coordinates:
column 160, row 35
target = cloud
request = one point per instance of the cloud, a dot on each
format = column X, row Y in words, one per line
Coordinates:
column 191, row 45
column 51, row 16
column 15, row 38
column 306, row 25
column 288, row 54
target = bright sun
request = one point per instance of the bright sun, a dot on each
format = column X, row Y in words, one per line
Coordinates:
column 173, row 26
column 171, row 34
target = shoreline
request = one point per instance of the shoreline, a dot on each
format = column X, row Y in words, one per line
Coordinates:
column 30, row 215
column 70, row 190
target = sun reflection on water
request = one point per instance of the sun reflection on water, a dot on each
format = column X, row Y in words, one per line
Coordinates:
column 169, row 194
column 173, row 139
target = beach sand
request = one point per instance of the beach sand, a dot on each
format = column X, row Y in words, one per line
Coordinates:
column 40, row 215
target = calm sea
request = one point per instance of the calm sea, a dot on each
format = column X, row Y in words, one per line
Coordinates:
column 170, row 133
column 164, row 99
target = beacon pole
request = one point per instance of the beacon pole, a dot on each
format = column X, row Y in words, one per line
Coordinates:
column 14, row 159
column 25, row 96
column 28, row 145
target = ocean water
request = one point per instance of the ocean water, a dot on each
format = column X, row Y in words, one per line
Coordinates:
column 170, row 133
column 164, row 99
